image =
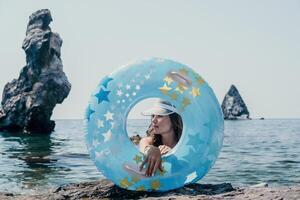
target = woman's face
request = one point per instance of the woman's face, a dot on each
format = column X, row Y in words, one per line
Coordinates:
column 161, row 124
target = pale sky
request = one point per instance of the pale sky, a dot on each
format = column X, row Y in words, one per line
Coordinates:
column 254, row 44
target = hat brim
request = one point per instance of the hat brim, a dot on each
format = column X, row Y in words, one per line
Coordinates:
column 157, row 111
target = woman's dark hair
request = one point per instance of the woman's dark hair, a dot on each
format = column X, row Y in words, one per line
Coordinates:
column 176, row 122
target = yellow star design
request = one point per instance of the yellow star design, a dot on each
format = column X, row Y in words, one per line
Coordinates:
column 124, row 183
column 199, row 80
column 141, row 188
column 165, row 89
column 180, row 88
column 173, row 96
column 137, row 159
column 168, row 79
column 135, row 179
column 183, row 71
column 185, row 102
column 155, row 184
column 195, row 92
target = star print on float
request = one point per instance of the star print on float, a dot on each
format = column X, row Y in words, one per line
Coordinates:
column 112, row 151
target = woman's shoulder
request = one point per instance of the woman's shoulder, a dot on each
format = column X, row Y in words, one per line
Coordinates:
column 147, row 139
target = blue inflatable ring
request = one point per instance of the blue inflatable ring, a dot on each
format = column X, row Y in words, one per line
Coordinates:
column 116, row 156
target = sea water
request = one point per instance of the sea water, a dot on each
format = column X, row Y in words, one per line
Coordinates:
column 253, row 151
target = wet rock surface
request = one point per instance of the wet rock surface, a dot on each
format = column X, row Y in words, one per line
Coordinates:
column 105, row 189
column 233, row 106
column 28, row 102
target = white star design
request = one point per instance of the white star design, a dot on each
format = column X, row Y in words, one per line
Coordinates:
column 109, row 116
column 127, row 95
column 127, row 87
column 107, row 136
column 134, row 93
column 190, row 177
column 123, row 100
column 137, row 87
column 119, row 93
column 100, row 123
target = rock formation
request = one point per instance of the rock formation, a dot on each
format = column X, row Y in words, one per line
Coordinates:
column 28, row 102
column 233, row 106
column 105, row 189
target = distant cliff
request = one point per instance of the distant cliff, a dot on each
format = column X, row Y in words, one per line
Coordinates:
column 233, row 106
column 28, row 102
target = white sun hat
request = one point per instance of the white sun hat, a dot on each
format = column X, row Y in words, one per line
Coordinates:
column 160, row 107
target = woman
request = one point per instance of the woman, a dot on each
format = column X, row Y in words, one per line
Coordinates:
column 163, row 134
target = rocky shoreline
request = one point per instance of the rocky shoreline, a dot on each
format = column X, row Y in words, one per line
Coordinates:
column 105, row 189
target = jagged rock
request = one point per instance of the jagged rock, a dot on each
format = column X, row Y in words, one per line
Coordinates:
column 28, row 102
column 233, row 106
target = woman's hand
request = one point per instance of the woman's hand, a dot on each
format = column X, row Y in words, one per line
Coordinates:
column 153, row 158
column 164, row 149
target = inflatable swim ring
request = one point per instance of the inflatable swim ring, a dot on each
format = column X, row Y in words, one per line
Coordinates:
column 116, row 156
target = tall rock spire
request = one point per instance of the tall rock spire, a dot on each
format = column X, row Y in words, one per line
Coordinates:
column 28, row 102
column 233, row 106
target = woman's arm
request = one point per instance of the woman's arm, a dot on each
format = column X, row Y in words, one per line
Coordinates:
column 144, row 142
column 153, row 156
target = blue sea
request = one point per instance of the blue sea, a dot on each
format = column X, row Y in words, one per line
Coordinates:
column 254, row 151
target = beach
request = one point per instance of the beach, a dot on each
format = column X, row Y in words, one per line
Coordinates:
column 105, row 189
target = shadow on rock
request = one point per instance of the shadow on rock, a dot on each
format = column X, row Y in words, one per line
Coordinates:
column 106, row 189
